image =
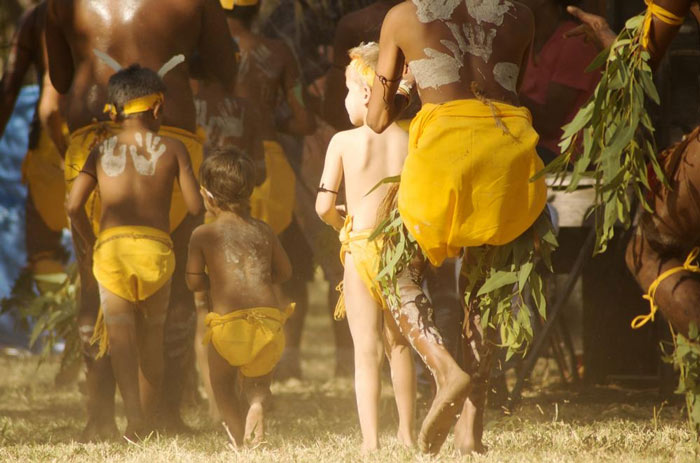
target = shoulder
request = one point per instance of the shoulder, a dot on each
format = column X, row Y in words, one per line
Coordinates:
column 174, row 145
column 277, row 47
column 341, row 139
column 264, row 229
column 201, row 234
column 523, row 15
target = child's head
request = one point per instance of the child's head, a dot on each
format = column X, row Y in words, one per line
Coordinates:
column 244, row 11
column 227, row 177
column 359, row 77
column 135, row 92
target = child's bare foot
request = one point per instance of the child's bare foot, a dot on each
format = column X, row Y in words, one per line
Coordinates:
column 254, row 424
column 136, row 432
column 442, row 415
column 99, row 430
column 369, row 448
column 406, row 438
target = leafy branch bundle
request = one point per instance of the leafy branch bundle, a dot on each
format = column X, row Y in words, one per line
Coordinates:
column 686, row 359
column 613, row 136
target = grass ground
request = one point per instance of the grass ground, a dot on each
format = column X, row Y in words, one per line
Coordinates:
column 314, row 420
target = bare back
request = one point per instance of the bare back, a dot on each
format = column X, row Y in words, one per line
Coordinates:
column 238, row 253
column 135, row 172
column 147, row 32
column 366, row 159
column 453, row 47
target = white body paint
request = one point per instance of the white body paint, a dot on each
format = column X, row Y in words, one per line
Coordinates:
column 506, row 74
column 433, row 10
column 436, row 70
column 153, row 147
column 489, row 11
column 112, row 165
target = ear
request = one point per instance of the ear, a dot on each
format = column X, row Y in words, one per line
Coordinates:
column 366, row 94
column 157, row 110
column 113, row 117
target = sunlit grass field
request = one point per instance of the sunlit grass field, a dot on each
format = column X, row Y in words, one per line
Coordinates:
column 314, row 420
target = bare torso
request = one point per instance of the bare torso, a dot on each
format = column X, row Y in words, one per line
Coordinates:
column 148, row 32
column 455, row 46
column 368, row 158
column 135, row 174
column 238, row 255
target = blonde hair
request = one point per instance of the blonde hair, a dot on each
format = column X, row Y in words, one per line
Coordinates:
column 363, row 61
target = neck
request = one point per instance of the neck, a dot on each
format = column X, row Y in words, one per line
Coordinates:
column 140, row 123
column 236, row 27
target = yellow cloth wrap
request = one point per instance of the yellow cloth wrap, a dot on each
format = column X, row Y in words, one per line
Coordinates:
column 230, row 4
column 273, row 201
column 133, row 262
column 81, row 142
column 366, row 255
column 687, row 266
column 252, row 339
column 137, row 105
column 194, row 142
column 661, row 13
column 405, row 124
column 42, row 172
column 466, row 180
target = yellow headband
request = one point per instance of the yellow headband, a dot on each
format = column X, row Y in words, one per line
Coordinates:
column 229, row 4
column 137, row 105
column 363, row 69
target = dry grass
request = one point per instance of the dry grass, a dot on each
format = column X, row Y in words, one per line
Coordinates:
column 314, row 421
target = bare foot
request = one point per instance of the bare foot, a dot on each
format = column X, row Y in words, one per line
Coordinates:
column 443, row 412
column 368, row 449
column 254, row 425
column 99, row 430
column 471, row 448
column 406, row 438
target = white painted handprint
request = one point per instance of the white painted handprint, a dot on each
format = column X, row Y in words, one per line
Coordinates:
column 153, row 147
column 111, row 164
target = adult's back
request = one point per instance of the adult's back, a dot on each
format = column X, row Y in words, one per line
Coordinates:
column 148, row 32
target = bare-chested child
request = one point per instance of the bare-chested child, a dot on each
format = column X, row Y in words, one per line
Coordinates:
column 364, row 158
column 132, row 258
column 238, row 259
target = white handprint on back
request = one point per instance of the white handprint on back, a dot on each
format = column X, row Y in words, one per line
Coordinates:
column 111, row 164
column 153, row 147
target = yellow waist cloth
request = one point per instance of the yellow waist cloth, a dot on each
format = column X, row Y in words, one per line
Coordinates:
column 42, row 172
column 466, row 181
column 252, row 339
column 366, row 256
column 133, row 262
column 83, row 140
column 195, row 147
column 273, row 201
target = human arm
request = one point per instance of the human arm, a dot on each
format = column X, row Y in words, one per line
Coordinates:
column 385, row 105
column 281, row 267
column 335, row 91
column 50, row 115
column 195, row 274
column 61, row 65
column 188, row 182
column 302, row 121
column 84, row 184
column 21, row 57
column 330, row 182
column 216, row 47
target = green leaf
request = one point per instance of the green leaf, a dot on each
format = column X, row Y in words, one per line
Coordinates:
column 384, row 181
column 498, row 280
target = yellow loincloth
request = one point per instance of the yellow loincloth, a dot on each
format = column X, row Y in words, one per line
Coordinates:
column 252, row 339
column 83, row 140
column 42, row 172
column 466, row 182
column 366, row 255
column 273, row 201
column 133, row 262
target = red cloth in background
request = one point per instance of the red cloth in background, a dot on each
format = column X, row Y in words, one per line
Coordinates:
column 562, row 61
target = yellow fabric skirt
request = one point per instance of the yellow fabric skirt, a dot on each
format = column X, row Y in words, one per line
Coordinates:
column 133, row 262
column 251, row 339
column 42, row 172
column 83, row 140
column 466, row 181
column 366, row 255
column 273, row 201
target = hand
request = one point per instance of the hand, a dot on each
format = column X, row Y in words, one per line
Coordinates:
column 595, row 29
column 408, row 76
column 342, row 209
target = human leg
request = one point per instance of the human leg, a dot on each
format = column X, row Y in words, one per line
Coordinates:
column 120, row 321
column 363, row 316
column 223, row 380
column 150, row 321
column 201, row 303
column 257, row 393
column 403, row 378
column 413, row 316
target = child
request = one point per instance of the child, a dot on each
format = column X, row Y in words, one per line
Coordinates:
column 238, row 259
column 364, row 158
column 133, row 258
